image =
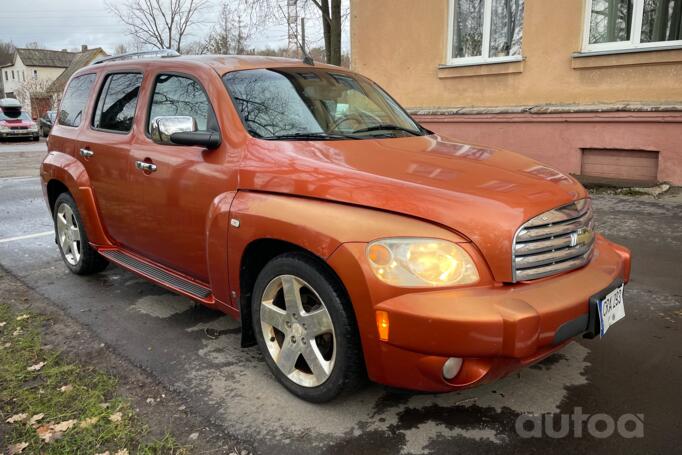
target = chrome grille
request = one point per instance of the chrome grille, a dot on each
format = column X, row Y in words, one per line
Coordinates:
column 554, row 242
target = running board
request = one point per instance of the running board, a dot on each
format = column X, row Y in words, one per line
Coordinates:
column 172, row 281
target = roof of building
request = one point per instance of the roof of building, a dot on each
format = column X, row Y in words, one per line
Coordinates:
column 82, row 59
column 45, row 57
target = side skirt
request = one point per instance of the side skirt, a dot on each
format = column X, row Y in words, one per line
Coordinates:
column 160, row 275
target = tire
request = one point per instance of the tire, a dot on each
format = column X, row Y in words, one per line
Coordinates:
column 72, row 240
column 325, row 316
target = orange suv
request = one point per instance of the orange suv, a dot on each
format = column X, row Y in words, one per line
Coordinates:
column 347, row 239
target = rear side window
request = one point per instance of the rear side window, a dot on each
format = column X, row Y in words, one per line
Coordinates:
column 178, row 95
column 75, row 99
column 117, row 102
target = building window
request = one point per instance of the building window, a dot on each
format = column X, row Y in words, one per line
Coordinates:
column 6, row 75
column 632, row 24
column 35, row 74
column 485, row 31
column 12, row 74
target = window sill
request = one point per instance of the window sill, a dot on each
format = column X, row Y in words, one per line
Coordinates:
column 483, row 68
column 627, row 57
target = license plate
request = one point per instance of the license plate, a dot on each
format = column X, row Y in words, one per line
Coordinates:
column 611, row 309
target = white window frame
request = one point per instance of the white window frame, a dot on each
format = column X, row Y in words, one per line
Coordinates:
column 485, row 45
column 633, row 43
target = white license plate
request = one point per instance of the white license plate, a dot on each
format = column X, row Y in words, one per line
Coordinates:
column 611, row 309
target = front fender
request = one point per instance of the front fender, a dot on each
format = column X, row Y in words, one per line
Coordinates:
column 71, row 173
column 321, row 227
column 317, row 226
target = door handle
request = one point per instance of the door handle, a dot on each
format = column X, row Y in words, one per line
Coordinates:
column 144, row 166
column 85, row 153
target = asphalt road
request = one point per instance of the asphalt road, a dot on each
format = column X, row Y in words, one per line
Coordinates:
column 636, row 369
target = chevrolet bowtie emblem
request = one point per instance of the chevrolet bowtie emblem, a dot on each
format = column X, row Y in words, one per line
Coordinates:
column 581, row 237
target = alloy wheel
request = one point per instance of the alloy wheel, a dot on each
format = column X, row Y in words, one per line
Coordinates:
column 68, row 234
column 298, row 330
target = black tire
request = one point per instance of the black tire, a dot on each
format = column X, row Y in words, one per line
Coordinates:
column 348, row 371
column 90, row 260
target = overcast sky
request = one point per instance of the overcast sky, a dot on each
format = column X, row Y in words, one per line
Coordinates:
column 59, row 24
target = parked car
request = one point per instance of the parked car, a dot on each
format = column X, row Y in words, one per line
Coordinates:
column 46, row 122
column 15, row 123
column 349, row 240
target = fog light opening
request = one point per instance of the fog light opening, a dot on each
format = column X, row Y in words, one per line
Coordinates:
column 451, row 367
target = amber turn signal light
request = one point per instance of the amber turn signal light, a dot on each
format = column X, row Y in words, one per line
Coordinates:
column 382, row 325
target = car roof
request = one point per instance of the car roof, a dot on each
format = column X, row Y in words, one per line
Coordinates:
column 221, row 64
column 9, row 103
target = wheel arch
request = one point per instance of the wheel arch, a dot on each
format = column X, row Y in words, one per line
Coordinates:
column 61, row 171
column 54, row 189
column 253, row 259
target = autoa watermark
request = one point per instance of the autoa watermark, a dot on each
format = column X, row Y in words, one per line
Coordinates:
column 578, row 424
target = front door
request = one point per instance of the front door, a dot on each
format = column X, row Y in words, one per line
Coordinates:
column 173, row 201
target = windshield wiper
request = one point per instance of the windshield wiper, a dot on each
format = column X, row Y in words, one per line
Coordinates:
column 310, row 136
column 385, row 127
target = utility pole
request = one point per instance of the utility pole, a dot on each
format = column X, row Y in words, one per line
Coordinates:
column 305, row 49
column 292, row 25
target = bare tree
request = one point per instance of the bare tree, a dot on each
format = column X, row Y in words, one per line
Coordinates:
column 34, row 45
column 330, row 12
column 233, row 31
column 6, row 52
column 120, row 49
column 162, row 24
column 34, row 89
column 196, row 47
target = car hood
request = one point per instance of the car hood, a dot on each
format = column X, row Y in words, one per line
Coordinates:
column 16, row 122
column 482, row 193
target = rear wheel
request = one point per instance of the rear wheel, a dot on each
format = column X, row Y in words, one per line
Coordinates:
column 305, row 328
column 78, row 255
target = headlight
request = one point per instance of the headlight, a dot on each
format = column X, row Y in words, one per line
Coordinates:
column 4, row 129
column 420, row 262
column 33, row 127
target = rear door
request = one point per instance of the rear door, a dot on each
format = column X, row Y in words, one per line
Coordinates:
column 104, row 149
column 72, row 111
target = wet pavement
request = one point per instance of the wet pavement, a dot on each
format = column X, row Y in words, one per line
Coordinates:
column 635, row 371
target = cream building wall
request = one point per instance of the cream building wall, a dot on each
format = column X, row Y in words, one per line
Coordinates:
column 402, row 44
column 23, row 73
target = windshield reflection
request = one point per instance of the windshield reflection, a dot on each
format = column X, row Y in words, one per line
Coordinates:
column 315, row 104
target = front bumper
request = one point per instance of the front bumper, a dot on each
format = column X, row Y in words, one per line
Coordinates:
column 495, row 329
column 26, row 134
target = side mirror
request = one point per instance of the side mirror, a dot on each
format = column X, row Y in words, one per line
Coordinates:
column 182, row 130
column 164, row 127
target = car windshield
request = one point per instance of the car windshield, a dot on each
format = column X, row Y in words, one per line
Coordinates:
column 11, row 114
column 316, row 104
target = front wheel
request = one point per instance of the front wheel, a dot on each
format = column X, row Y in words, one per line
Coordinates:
column 78, row 255
column 305, row 328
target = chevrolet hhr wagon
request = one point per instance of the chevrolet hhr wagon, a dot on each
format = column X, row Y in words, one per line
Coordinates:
column 348, row 240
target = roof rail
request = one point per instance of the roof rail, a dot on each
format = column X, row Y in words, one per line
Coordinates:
column 160, row 53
